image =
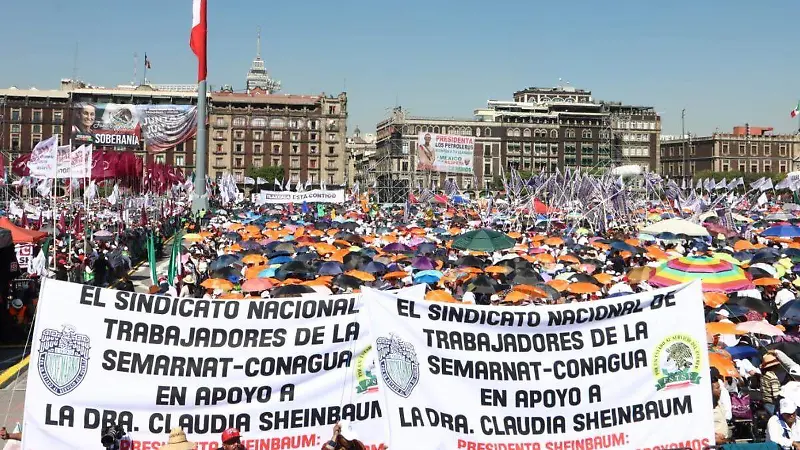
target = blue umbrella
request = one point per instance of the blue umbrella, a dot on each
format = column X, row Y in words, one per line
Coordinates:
column 433, row 274
column 375, row 267
column 267, row 273
column 784, row 231
column 281, row 260
column 224, row 261
column 330, row 268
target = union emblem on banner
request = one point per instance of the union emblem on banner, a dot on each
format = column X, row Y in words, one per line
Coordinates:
column 399, row 364
column 63, row 359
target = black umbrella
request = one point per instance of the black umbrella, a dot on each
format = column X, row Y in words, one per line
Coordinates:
column 470, row 261
column 292, row 290
column 790, row 312
column 347, row 281
column 752, row 303
column 483, row 284
column 526, row 276
column 355, row 260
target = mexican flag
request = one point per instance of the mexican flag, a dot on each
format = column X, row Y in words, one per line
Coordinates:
column 795, row 111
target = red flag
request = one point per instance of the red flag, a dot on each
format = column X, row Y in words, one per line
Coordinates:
column 77, row 224
column 40, row 221
column 62, row 223
column 24, row 220
column 143, row 220
column 20, row 165
column 199, row 37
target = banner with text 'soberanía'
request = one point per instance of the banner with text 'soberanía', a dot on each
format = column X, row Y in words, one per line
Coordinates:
column 627, row 372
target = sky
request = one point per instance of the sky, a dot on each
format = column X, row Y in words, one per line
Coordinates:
column 726, row 62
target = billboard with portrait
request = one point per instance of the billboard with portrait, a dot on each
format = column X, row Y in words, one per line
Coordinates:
column 154, row 127
column 445, row 153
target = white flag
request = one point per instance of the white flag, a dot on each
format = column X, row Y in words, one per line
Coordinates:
column 44, row 159
column 308, row 184
column 260, row 180
column 278, row 184
column 762, row 199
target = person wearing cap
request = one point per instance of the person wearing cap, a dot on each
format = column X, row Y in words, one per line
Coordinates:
column 339, row 442
column 177, row 441
column 232, row 439
column 770, row 383
column 783, row 428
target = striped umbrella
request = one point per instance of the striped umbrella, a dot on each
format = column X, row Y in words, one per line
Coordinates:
column 717, row 275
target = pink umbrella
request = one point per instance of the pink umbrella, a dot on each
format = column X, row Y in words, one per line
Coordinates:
column 759, row 328
column 256, row 285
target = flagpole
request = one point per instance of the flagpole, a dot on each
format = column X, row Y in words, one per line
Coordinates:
column 53, row 205
column 198, row 42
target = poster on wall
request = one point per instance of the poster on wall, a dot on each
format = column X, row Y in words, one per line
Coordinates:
column 157, row 127
column 445, row 153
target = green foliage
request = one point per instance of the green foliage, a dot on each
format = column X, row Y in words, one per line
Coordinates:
column 269, row 173
column 748, row 177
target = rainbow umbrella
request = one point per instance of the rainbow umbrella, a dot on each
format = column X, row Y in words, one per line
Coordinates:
column 717, row 275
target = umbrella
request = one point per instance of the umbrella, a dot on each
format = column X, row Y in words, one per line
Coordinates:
column 716, row 275
column 483, row 284
column 784, row 231
column 470, row 261
column 347, row 281
column 483, row 240
column 256, row 285
column 759, row 328
column 224, row 261
column 292, row 290
column 396, row 247
column 423, row 263
column 217, row 283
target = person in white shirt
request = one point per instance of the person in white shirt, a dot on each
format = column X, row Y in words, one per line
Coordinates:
column 785, row 295
column 783, row 427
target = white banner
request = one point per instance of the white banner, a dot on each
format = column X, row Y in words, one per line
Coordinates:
column 24, row 254
column 283, row 371
column 315, row 196
column 44, row 159
column 627, row 372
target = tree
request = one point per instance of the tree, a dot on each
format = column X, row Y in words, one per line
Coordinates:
column 269, row 173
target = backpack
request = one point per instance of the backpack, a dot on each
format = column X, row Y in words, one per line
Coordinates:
column 740, row 407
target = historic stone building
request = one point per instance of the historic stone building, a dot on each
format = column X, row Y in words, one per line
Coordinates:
column 746, row 149
column 541, row 129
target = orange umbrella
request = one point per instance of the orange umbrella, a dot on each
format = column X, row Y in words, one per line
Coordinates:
column 499, row 269
column 515, row 297
column 603, row 278
column 724, row 365
column 470, row 270
column 553, row 241
column 559, row 285
column 640, row 274
column 582, row 287
column 439, row 295
column 254, row 259
column 361, row 275
column 217, row 283
column 742, row 245
column 395, row 275
column 714, row 299
column 572, row 259
column 545, row 258
column 232, row 296
column 767, row 282
column 722, row 328
column 532, row 291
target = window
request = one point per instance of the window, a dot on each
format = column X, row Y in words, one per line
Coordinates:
column 513, row 147
column 16, row 115
column 726, row 165
column 332, row 109
column 330, row 179
column 526, row 132
column 741, row 150
column 238, row 134
column 58, row 116
column 257, row 148
column 277, row 135
column 36, row 128
column 331, row 150
column 295, row 136
column 15, row 142
column 331, row 164
column 35, row 138
column 691, row 151
column 570, row 149
column 219, row 148
column 487, row 168
column 754, row 167
column 570, row 133
column 526, row 164
column 220, row 135
column 160, row 158
column 332, row 137
column 782, row 166
column 553, row 149
column 526, row 148
column 767, row 152
column 219, row 162
column 180, row 160
column 220, row 122
column 294, row 163
column 276, row 161
column 313, row 163
column 238, row 147
column 742, row 166
column 37, row 115
column 259, row 122
column 587, row 149
column 295, row 148
column 276, row 148
column 767, row 166
column 312, row 136
column 313, row 150
column 258, row 135
column 15, row 128
column 753, row 150
column 258, row 162
column 782, row 150
column 405, row 166
column 313, row 124
column 240, row 122
column 691, row 168
column 725, row 149
column 586, row 134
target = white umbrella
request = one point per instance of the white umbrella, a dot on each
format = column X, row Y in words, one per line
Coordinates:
column 675, row 226
column 759, row 327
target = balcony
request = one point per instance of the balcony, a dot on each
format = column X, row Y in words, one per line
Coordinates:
column 218, row 137
column 331, row 169
column 219, row 124
column 219, row 165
